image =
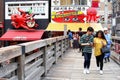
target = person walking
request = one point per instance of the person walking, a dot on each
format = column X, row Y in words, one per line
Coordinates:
column 80, row 35
column 70, row 37
column 99, row 42
column 75, row 42
column 109, row 42
column 87, row 43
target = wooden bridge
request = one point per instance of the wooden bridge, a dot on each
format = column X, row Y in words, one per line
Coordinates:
column 49, row 59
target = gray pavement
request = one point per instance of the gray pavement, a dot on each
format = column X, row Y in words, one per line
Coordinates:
column 70, row 67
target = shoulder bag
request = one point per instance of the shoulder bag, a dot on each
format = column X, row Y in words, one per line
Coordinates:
column 105, row 49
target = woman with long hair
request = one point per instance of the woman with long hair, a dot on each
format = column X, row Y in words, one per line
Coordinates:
column 99, row 42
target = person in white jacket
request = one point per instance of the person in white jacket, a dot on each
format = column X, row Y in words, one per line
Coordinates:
column 109, row 42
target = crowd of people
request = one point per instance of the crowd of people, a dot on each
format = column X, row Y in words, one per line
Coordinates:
column 89, row 41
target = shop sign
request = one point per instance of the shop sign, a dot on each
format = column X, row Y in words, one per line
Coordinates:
column 40, row 8
column 74, row 14
column 68, row 14
column 19, row 38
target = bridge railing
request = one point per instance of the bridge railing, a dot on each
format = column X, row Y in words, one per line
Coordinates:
column 8, row 70
column 115, row 53
column 31, row 60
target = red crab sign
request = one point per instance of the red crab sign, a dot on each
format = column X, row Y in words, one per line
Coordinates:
column 25, row 20
column 70, row 16
column 91, row 15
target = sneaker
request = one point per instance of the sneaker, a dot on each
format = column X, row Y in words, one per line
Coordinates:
column 98, row 68
column 85, row 71
column 108, row 60
column 101, row 72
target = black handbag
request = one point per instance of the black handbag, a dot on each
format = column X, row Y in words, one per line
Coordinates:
column 105, row 49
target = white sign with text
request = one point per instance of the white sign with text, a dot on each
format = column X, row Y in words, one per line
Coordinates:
column 40, row 8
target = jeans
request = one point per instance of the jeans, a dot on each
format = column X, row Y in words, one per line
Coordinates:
column 87, row 57
column 99, row 61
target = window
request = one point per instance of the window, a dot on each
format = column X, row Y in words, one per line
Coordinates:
column 118, row 20
column 73, row 2
column 119, row 5
column 66, row 2
column 76, row 2
column 83, row 2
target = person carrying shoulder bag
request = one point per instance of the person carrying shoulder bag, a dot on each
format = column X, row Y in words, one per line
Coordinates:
column 99, row 43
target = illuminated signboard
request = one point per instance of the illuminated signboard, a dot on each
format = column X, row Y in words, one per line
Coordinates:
column 68, row 13
column 40, row 8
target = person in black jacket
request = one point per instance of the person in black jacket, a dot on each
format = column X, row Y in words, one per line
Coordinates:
column 80, row 33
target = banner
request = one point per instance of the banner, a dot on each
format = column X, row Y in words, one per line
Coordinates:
column 68, row 14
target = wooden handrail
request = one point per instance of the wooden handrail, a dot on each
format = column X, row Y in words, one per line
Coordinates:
column 115, row 37
column 32, row 59
column 9, row 52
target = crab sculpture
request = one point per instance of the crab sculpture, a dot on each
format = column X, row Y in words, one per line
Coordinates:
column 91, row 15
column 23, row 20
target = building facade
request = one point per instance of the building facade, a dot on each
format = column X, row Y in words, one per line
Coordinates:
column 75, row 2
column 116, row 17
column 105, row 11
column 1, row 10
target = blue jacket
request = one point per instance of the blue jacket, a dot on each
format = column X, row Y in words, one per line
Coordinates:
column 109, row 42
column 70, row 35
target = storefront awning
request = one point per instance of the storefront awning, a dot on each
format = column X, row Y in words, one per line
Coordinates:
column 73, row 26
column 96, row 26
column 22, row 35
